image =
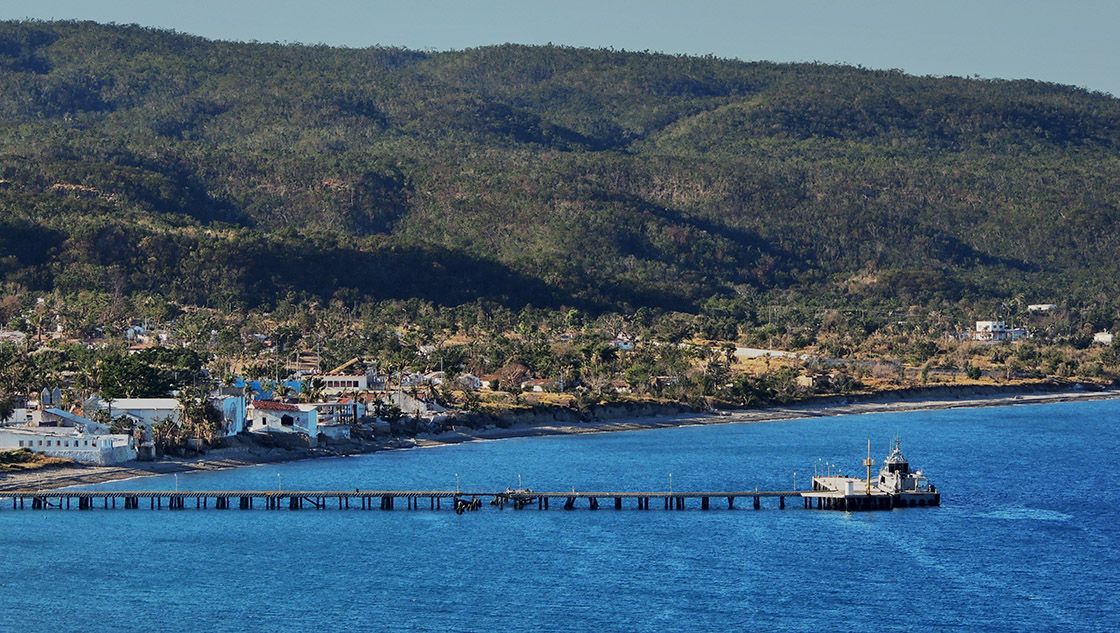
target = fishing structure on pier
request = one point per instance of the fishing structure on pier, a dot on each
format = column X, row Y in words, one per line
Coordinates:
column 897, row 486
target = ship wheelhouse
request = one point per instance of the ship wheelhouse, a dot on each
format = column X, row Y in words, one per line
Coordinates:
column 896, row 477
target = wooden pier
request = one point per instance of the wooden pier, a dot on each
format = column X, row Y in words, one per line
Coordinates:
column 459, row 501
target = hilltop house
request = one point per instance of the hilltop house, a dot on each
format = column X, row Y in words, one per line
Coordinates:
column 470, row 382
column 997, row 332
column 622, row 343
column 540, row 385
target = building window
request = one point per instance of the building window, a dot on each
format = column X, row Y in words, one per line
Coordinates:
column 48, row 442
column 21, row 443
column 40, row 442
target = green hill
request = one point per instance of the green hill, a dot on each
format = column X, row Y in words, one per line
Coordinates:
column 139, row 160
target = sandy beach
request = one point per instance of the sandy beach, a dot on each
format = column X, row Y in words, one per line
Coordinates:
column 225, row 458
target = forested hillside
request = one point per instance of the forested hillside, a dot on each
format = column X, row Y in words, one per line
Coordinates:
column 215, row 173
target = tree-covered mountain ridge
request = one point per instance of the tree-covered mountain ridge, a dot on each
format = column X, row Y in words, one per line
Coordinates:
column 219, row 173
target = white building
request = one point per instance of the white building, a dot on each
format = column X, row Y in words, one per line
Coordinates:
column 1103, row 338
column 470, row 382
column 1041, row 307
column 412, row 379
column 70, row 443
column 622, row 343
column 340, row 383
column 343, row 411
column 269, row 416
column 145, row 412
column 997, row 331
column 414, row 406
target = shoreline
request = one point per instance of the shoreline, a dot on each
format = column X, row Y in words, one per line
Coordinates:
column 240, row 457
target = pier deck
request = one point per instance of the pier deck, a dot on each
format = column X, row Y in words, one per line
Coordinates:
column 457, row 500
column 364, row 499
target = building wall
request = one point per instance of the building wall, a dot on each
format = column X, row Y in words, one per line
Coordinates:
column 233, row 411
column 339, row 383
column 268, row 420
column 99, row 450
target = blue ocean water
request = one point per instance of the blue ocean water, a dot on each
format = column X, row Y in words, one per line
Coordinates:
column 1027, row 539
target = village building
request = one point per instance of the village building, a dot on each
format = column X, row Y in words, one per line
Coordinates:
column 344, row 410
column 414, row 406
column 623, row 343
column 232, row 407
column 60, row 418
column 341, row 383
column 413, row 379
column 470, row 382
column 817, row 381
column 270, row 416
column 1041, row 307
column 997, row 332
column 539, row 385
column 336, row 418
column 144, row 412
column 1103, row 338
column 70, row 443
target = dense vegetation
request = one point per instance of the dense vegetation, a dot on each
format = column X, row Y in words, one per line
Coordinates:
column 139, row 162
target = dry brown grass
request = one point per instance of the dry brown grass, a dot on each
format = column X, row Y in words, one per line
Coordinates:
column 22, row 459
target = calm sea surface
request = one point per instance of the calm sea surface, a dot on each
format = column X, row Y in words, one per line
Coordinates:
column 1027, row 539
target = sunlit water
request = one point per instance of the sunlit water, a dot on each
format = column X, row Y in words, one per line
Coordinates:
column 1027, row 539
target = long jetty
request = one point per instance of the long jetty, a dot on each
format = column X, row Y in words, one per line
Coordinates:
column 459, row 501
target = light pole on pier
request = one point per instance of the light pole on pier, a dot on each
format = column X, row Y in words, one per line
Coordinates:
column 670, row 483
column 279, row 482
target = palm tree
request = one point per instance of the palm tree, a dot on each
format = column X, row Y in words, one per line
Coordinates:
column 193, row 415
column 312, row 390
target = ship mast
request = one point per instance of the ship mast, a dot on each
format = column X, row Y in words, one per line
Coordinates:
column 868, row 463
